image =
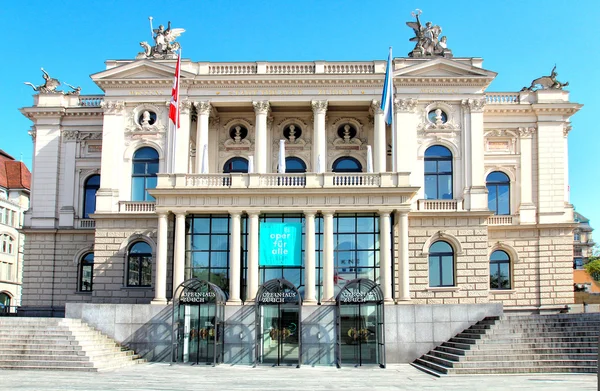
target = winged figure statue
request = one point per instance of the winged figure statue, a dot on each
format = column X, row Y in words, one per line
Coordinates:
column 164, row 43
column 427, row 38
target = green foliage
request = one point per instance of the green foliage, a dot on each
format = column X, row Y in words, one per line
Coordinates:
column 593, row 268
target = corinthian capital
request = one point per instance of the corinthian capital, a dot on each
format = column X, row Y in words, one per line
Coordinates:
column 474, row 105
column 261, row 107
column 376, row 107
column 526, row 132
column 203, row 108
column 408, row 105
column 185, row 106
column 70, row 135
column 113, row 106
column 319, row 106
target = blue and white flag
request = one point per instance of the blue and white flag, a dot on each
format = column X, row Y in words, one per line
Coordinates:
column 387, row 98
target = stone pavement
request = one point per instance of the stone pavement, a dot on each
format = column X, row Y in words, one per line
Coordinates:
column 158, row 376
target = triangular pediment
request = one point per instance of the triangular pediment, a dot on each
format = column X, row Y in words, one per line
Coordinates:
column 141, row 70
column 443, row 68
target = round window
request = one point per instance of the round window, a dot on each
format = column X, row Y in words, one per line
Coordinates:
column 437, row 116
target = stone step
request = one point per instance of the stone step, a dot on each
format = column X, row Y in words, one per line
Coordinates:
column 62, row 352
column 41, row 357
column 45, row 363
column 542, row 329
column 441, row 369
column 427, row 370
column 523, row 356
column 533, row 345
column 47, row 368
column 544, row 334
column 536, row 350
column 521, row 370
column 452, row 350
column 508, row 362
column 50, row 333
column 539, row 340
column 459, row 345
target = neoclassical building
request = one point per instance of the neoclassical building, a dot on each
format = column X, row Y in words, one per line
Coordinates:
column 15, row 182
column 285, row 189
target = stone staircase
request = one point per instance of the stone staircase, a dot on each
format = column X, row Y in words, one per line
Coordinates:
column 59, row 344
column 560, row 343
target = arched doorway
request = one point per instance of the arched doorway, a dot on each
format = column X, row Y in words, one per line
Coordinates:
column 278, row 327
column 360, row 324
column 4, row 303
column 198, row 323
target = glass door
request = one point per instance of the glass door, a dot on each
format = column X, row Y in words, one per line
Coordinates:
column 198, row 342
column 359, row 334
column 280, row 335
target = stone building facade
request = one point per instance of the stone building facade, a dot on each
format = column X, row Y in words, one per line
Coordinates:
column 15, row 181
column 462, row 202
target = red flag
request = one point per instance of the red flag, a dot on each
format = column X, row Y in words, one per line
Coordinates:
column 174, row 107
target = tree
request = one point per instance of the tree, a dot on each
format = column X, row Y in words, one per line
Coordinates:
column 593, row 267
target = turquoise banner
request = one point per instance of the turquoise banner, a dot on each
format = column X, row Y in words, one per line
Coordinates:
column 280, row 244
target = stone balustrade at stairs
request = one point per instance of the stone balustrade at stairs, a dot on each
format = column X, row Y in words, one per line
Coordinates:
column 59, row 344
column 559, row 343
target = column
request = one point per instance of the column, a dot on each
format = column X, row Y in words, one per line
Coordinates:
column 476, row 199
column 404, row 286
column 527, row 208
column 111, row 170
column 405, row 131
column 261, row 109
column 385, row 255
column 203, row 109
column 235, row 259
column 566, row 130
column 160, row 282
column 379, row 139
column 182, row 139
column 328, row 281
column 252, row 255
column 179, row 256
column 309, row 257
column 319, row 160
column 67, row 192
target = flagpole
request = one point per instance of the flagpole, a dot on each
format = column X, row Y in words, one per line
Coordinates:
column 394, row 149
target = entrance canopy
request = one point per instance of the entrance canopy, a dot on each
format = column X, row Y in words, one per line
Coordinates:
column 194, row 291
column 358, row 291
column 278, row 291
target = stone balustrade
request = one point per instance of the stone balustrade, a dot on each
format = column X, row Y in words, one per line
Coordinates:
column 275, row 180
column 502, row 98
column 85, row 223
column 137, row 206
column 440, row 205
column 502, row 220
column 90, row 100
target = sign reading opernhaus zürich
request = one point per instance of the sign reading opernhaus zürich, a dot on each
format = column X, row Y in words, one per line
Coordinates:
column 423, row 195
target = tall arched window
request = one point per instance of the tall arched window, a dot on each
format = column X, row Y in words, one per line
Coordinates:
column 499, row 270
column 438, row 173
column 236, row 165
column 347, row 164
column 4, row 303
column 86, row 273
column 92, row 184
column 145, row 168
column 6, row 244
column 498, row 185
column 294, row 165
column 441, row 264
column 139, row 264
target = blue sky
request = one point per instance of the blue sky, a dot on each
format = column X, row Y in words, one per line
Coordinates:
column 519, row 40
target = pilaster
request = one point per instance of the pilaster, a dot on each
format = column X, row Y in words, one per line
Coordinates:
column 527, row 209
column 160, row 279
column 261, row 109
column 182, row 139
column 319, row 160
column 379, row 139
column 66, row 216
column 476, row 192
column 404, row 153
column 113, row 141
column 202, row 129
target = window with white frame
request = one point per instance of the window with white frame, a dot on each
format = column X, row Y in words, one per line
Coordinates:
column 6, row 244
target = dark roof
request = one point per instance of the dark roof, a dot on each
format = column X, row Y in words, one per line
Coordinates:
column 13, row 174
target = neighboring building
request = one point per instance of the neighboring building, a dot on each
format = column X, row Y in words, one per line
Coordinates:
column 583, row 244
column 466, row 205
column 15, row 182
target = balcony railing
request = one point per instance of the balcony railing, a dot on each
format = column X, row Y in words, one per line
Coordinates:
column 137, row 207
column 440, row 205
column 274, row 180
column 502, row 220
column 90, row 101
column 502, row 98
column 85, row 223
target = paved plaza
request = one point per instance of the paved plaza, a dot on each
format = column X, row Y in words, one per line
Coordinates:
column 164, row 377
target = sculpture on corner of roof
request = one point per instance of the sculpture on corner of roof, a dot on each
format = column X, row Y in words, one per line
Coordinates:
column 427, row 38
column 49, row 86
column 546, row 83
column 164, row 43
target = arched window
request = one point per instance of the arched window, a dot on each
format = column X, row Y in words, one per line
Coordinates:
column 499, row 270
column 92, row 184
column 7, row 244
column 236, row 165
column 86, row 273
column 294, row 165
column 441, row 264
column 498, row 185
column 438, row 173
column 4, row 303
column 347, row 164
column 139, row 264
column 145, row 168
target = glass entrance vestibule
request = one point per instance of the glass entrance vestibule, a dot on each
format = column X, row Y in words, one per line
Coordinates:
column 198, row 323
